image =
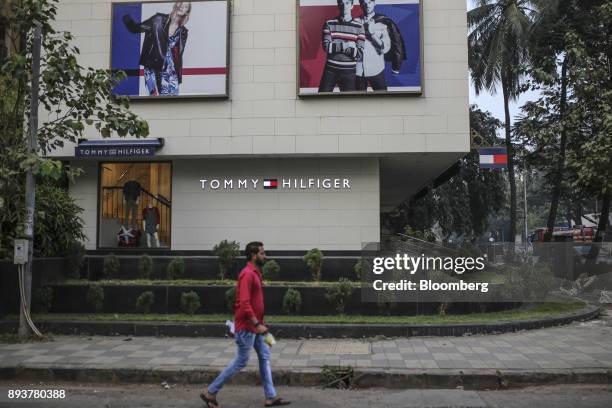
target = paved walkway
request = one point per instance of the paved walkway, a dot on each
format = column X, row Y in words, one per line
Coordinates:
column 578, row 346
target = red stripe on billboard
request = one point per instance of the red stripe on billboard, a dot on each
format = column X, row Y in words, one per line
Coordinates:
column 199, row 71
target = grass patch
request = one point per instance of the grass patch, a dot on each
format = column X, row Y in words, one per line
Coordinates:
column 485, row 276
column 537, row 311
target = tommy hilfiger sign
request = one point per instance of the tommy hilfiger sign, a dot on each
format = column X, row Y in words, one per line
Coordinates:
column 277, row 184
column 113, row 151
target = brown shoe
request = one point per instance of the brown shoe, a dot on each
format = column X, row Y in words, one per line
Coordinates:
column 277, row 402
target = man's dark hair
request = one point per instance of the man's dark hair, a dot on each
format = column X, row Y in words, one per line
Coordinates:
column 252, row 248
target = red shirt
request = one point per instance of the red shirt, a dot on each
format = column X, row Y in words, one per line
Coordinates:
column 249, row 298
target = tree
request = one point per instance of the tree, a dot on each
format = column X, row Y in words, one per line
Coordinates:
column 566, row 132
column 498, row 42
column 592, row 84
column 554, row 59
column 71, row 98
column 464, row 204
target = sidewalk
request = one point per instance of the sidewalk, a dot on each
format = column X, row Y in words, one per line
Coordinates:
column 563, row 353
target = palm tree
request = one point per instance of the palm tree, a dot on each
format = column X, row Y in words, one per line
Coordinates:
column 498, row 42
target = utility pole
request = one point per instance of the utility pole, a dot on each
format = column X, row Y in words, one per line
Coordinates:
column 30, row 193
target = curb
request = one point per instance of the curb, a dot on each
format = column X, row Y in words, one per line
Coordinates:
column 300, row 331
column 369, row 378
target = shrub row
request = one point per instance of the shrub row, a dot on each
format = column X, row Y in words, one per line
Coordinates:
column 341, row 297
column 190, row 301
column 226, row 253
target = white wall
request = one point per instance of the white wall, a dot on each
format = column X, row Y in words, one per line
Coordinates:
column 85, row 194
column 263, row 115
column 282, row 219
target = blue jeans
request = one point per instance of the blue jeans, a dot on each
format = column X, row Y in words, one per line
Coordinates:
column 245, row 341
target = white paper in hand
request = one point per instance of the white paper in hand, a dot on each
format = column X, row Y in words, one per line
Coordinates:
column 230, row 326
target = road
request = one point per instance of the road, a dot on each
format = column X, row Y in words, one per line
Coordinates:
column 156, row 396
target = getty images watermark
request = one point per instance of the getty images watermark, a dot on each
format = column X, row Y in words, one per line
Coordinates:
column 405, row 271
column 411, row 265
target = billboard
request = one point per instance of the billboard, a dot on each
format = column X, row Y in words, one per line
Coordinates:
column 359, row 47
column 171, row 49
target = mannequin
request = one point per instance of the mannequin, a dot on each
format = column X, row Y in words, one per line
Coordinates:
column 131, row 195
column 150, row 224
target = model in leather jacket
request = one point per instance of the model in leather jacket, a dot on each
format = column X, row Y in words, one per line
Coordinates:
column 397, row 54
column 155, row 53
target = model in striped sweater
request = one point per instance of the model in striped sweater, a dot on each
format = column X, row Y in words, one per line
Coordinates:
column 343, row 42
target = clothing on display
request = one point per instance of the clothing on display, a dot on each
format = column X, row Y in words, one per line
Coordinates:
column 128, row 237
column 131, row 195
column 150, row 221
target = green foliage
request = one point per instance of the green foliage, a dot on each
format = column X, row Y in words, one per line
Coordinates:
column 565, row 133
column 42, row 299
column 145, row 302
column 467, row 249
column 498, row 43
column 76, row 259
column 526, row 281
column 271, row 270
column 145, row 266
column 57, row 224
column 95, row 297
column 386, row 302
column 190, row 302
column 292, row 301
column 230, row 298
column 71, row 97
column 226, row 253
column 464, row 205
column 441, row 277
column 176, row 268
column 339, row 294
column 358, row 268
column 337, row 377
column 314, row 261
column 110, row 266
column 425, row 235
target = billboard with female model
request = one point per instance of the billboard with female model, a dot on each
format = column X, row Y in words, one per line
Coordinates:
column 170, row 49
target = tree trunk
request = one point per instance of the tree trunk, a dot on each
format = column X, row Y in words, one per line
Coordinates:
column 603, row 218
column 511, row 178
column 556, row 192
column 578, row 213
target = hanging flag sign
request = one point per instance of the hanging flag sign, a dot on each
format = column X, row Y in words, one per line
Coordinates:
column 493, row 158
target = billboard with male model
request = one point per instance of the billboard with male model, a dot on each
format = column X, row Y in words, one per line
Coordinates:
column 171, row 48
column 359, row 47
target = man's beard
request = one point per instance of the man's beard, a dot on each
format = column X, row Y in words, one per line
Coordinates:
column 259, row 262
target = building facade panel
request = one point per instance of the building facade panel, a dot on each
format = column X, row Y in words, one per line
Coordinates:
column 263, row 129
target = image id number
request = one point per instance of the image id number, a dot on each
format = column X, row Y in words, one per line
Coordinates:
column 37, row 394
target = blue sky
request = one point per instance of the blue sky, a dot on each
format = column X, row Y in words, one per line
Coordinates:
column 495, row 103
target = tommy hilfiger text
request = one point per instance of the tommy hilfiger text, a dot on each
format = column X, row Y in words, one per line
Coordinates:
column 274, row 184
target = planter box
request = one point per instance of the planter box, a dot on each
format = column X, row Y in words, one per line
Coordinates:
column 122, row 299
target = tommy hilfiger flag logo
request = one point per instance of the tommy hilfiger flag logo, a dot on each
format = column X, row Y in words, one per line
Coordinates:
column 493, row 158
column 270, row 184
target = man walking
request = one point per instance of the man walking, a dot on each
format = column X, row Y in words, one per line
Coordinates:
column 249, row 330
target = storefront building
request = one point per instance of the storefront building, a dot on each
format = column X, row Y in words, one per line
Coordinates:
column 249, row 150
